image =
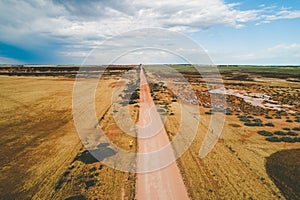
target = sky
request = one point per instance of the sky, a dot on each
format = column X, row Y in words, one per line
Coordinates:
column 141, row 31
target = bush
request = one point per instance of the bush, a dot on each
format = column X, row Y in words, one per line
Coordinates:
column 286, row 128
column 268, row 117
column 291, row 133
column 287, row 139
column 296, row 129
column 131, row 102
column 269, row 124
column 289, row 120
column 257, row 120
column 279, row 133
column 92, row 169
column 89, row 184
column 243, row 118
column 155, row 98
column 297, row 139
column 248, row 124
column 258, row 124
column 265, row 133
column 209, row 113
column 273, row 139
column 228, row 113
column 253, row 124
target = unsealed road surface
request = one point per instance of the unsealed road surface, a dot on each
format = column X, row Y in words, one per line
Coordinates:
column 165, row 182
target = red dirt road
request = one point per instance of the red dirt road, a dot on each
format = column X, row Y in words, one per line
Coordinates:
column 165, row 182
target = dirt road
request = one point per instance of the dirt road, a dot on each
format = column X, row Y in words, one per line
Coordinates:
column 165, row 183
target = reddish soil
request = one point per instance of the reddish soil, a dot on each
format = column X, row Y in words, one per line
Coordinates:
column 165, row 183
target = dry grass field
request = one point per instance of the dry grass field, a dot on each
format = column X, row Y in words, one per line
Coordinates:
column 38, row 138
column 42, row 156
column 256, row 157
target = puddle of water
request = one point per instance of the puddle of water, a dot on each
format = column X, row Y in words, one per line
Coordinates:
column 255, row 99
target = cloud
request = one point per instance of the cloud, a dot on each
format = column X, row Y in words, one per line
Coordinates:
column 151, row 45
column 278, row 54
column 283, row 13
column 75, row 25
column 87, row 19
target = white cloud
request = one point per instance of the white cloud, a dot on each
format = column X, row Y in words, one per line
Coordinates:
column 281, row 14
column 80, row 20
column 80, row 25
column 278, row 54
column 160, row 46
column 76, row 19
column 284, row 14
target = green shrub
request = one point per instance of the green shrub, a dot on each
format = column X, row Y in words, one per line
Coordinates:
column 286, row 128
column 265, row 133
column 287, row 139
column 296, row 129
column 279, row 133
column 131, row 102
column 297, row 139
column 291, row 133
column 268, row 117
column 228, row 113
column 273, row 139
column 253, row 124
column 269, row 124
column 89, row 183
column 92, row 169
column 257, row 120
column 243, row 118
column 208, row 113
column 289, row 120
